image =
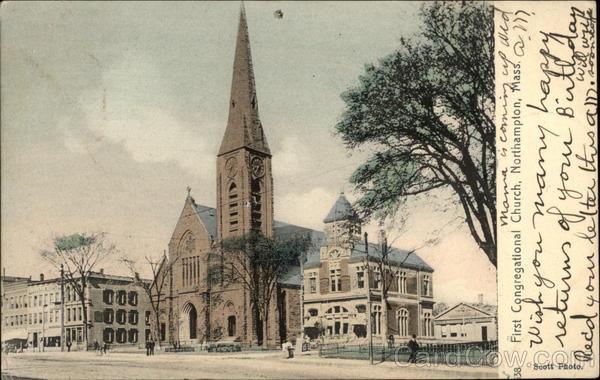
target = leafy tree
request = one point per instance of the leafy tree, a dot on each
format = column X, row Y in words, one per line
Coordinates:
column 427, row 112
column 257, row 262
column 79, row 254
column 155, row 289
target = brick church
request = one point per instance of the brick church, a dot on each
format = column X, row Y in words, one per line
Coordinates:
column 195, row 310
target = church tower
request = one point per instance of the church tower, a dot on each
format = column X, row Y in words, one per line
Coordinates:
column 244, row 175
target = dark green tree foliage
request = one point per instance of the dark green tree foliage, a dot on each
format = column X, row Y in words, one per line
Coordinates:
column 427, row 111
column 257, row 262
column 79, row 254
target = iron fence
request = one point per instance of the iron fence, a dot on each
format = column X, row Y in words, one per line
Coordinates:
column 468, row 353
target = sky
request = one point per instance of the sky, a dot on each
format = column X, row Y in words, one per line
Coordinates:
column 110, row 110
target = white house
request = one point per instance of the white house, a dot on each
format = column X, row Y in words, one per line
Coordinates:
column 466, row 323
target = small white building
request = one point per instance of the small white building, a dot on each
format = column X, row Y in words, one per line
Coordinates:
column 467, row 323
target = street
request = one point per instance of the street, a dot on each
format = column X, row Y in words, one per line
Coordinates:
column 262, row 365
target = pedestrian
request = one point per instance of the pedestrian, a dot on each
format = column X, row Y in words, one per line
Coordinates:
column 68, row 345
column 104, row 347
column 147, row 348
column 96, row 346
column 152, row 343
column 414, row 347
column 391, row 341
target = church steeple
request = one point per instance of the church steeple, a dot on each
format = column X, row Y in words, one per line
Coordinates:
column 244, row 172
column 244, row 128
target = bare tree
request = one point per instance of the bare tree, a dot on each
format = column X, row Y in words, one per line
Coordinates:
column 79, row 254
column 160, row 269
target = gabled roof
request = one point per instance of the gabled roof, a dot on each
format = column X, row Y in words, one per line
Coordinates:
column 477, row 309
column 341, row 210
column 208, row 216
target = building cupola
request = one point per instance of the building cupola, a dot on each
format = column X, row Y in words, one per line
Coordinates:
column 342, row 224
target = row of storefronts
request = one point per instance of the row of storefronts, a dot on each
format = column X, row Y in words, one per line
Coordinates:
column 33, row 312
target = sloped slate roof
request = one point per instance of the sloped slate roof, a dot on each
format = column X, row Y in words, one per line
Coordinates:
column 397, row 256
column 341, row 210
column 406, row 259
column 292, row 277
column 208, row 216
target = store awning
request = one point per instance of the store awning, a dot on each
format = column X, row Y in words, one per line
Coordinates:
column 14, row 334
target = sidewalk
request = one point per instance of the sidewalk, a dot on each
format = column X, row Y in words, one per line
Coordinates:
column 60, row 365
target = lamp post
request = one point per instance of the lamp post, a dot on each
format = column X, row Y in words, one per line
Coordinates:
column 62, row 308
column 369, row 303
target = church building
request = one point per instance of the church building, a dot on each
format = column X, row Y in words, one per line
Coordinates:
column 194, row 309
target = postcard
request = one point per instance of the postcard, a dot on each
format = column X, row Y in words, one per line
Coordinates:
column 299, row 189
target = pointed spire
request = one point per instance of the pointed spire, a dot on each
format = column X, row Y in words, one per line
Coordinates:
column 244, row 128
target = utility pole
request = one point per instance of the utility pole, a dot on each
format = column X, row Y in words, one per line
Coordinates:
column 62, row 308
column 302, row 258
column 369, row 305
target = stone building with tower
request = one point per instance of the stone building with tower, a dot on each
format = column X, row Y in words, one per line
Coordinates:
column 196, row 310
column 342, row 281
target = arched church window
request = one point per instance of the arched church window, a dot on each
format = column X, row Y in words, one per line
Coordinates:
column 402, row 316
column 427, row 325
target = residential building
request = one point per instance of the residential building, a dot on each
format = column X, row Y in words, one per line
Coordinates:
column 117, row 309
column 14, row 309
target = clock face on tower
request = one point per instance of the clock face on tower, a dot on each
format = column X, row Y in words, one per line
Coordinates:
column 231, row 167
column 257, row 166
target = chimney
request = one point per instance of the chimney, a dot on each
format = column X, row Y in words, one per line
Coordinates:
column 101, row 270
column 137, row 276
column 41, row 277
column 480, row 298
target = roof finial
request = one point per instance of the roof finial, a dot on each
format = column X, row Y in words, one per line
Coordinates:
column 189, row 189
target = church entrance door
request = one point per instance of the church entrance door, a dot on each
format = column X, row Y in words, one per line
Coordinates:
column 188, row 323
